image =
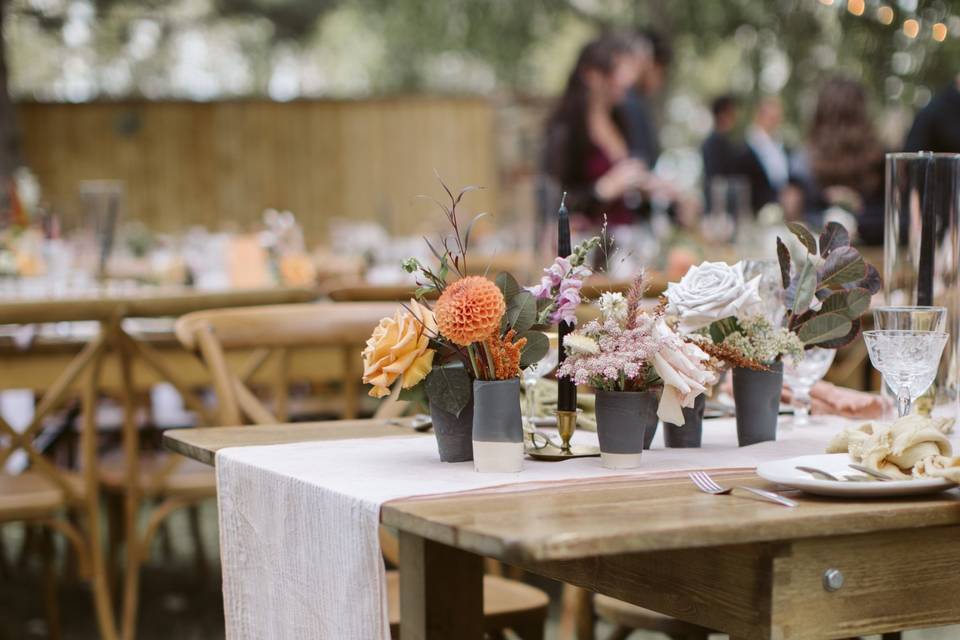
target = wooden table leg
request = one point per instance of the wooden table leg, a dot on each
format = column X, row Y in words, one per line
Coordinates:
column 441, row 591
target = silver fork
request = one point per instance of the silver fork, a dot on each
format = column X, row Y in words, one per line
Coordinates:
column 707, row 484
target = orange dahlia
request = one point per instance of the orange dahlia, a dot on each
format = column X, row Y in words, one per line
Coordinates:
column 469, row 310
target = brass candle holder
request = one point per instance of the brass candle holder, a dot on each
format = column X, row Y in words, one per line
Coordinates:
column 566, row 426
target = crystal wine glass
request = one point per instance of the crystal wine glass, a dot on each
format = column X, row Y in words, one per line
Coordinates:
column 910, row 318
column 531, row 375
column 907, row 360
column 800, row 374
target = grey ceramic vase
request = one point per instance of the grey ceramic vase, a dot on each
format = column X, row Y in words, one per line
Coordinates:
column 497, row 426
column 689, row 434
column 756, row 395
column 622, row 419
column 454, row 433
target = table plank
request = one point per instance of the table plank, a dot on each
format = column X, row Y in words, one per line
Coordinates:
column 203, row 444
column 149, row 304
column 641, row 515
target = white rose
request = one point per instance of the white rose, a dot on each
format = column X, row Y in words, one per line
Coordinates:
column 709, row 292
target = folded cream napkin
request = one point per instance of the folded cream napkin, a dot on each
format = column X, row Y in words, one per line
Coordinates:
column 910, row 447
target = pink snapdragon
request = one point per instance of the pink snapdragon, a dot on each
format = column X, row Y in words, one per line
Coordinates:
column 561, row 284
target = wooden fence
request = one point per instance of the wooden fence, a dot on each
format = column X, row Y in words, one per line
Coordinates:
column 221, row 164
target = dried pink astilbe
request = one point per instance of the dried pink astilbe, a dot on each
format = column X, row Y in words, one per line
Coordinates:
column 622, row 361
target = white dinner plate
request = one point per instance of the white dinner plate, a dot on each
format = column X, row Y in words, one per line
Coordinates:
column 785, row 472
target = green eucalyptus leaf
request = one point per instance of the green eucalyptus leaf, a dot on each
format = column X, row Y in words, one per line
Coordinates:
column 823, row 327
column 804, row 286
column 416, row 394
column 536, row 349
column 833, row 237
column 844, row 265
column 871, row 281
column 783, row 257
column 508, row 286
column 843, row 341
column 449, row 387
column 521, row 313
column 803, row 234
column 851, row 303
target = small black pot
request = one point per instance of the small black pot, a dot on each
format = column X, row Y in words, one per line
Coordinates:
column 689, row 434
column 623, row 417
column 756, row 395
column 454, row 433
column 497, row 426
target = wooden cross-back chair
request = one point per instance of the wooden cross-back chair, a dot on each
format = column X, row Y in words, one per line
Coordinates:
column 41, row 494
column 508, row 604
column 268, row 334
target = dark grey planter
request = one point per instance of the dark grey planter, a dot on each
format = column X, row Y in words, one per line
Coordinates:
column 454, row 433
column 690, row 433
column 623, row 417
column 497, row 426
column 756, row 395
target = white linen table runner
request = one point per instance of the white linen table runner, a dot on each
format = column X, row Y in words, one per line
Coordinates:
column 299, row 522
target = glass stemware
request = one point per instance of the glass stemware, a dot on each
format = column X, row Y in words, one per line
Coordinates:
column 907, row 360
column 529, row 378
column 910, row 318
column 801, row 374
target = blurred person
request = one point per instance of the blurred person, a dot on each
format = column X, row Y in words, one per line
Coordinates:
column 842, row 163
column 766, row 163
column 654, row 58
column 586, row 150
column 722, row 154
column 936, row 127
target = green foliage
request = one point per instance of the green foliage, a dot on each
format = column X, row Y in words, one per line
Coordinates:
column 449, row 386
column 842, row 284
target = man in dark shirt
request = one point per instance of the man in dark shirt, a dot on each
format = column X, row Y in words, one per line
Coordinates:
column 937, row 126
column 722, row 155
column 637, row 109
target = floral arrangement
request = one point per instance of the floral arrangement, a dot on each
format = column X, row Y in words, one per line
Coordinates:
column 828, row 288
column 629, row 349
column 759, row 341
column 478, row 329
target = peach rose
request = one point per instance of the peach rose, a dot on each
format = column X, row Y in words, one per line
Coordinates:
column 399, row 348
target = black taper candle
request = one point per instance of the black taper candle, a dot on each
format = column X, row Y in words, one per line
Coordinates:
column 567, row 390
column 928, row 232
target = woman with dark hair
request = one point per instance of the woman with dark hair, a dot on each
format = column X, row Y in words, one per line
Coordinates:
column 842, row 164
column 586, row 151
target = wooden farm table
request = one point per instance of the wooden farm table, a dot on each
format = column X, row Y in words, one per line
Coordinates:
column 728, row 563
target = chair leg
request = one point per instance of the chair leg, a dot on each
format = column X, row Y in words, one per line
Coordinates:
column 199, row 552
column 50, row 586
column 116, row 538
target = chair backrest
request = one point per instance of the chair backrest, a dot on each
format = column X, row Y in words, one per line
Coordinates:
column 277, row 329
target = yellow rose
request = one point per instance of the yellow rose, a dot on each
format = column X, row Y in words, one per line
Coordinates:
column 399, row 347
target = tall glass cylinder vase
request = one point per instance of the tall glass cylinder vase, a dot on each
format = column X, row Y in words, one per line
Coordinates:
column 922, row 250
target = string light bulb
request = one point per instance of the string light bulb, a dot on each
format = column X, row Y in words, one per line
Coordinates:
column 939, row 32
column 911, row 28
column 856, row 7
column 885, row 15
